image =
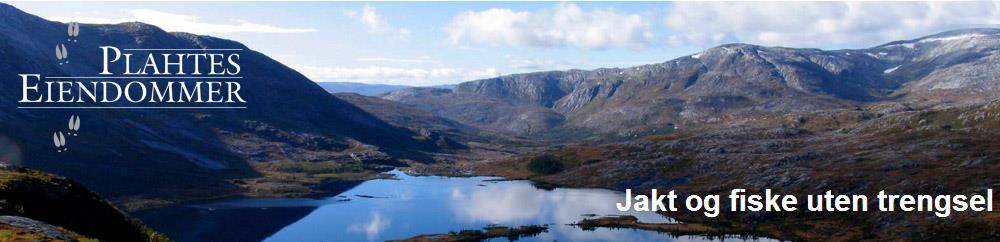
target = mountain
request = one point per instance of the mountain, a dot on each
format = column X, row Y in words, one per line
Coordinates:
column 479, row 111
column 908, row 117
column 726, row 84
column 359, row 88
column 944, row 150
column 369, row 89
column 175, row 154
column 422, row 122
column 952, row 67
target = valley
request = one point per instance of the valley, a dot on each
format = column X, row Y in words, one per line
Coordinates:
column 917, row 116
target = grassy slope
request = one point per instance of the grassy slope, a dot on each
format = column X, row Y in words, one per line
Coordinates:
column 66, row 204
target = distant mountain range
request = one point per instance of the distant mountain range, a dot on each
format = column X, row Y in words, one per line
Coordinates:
column 365, row 88
column 359, row 88
column 728, row 83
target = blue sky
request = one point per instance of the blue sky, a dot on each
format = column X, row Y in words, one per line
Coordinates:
column 447, row 42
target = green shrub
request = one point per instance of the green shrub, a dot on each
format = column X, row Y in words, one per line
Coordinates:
column 545, row 164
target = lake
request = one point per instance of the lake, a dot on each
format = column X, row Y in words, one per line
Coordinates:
column 387, row 209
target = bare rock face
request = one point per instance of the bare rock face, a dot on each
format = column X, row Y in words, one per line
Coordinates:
column 44, row 230
column 728, row 83
column 541, row 88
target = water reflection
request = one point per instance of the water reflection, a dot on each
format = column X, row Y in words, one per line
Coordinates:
column 517, row 202
column 497, row 204
column 375, row 225
column 396, row 209
column 200, row 224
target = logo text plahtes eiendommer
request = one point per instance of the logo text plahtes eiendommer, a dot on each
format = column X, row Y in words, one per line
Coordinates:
column 144, row 78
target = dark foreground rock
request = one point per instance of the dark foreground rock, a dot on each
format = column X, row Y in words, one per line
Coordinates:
column 486, row 233
column 36, row 203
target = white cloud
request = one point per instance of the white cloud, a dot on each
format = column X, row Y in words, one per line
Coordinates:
column 374, row 22
column 480, row 74
column 421, row 59
column 394, row 75
column 185, row 23
column 565, row 25
column 538, row 64
column 804, row 24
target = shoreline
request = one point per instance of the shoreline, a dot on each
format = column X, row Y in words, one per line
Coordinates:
column 687, row 226
column 722, row 228
column 677, row 229
column 341, row 186
column 684, row 228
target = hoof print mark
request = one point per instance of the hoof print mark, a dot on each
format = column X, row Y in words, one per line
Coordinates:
column 73, row 31
column 73, row 125
column 62, row 54
column 59, row 140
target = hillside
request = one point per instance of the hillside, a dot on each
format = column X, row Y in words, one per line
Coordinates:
column 726, row 84
column 424, row 123
column 909, row 117
column 176, row 154
column 478, row 111
column 941, row 151
column 917, row 116
column 37, row 206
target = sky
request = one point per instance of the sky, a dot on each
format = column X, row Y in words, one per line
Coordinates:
column 439, row 43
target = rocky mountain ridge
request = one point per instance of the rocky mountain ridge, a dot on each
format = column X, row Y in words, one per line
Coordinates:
column 728, row 83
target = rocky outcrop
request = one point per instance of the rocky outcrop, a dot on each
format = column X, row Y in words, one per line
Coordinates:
column 56, row 208
column 26, row 229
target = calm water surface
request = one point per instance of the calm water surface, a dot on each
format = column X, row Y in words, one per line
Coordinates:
column 403, row 208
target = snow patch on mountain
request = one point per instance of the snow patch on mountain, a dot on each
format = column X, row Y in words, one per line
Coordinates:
column 890, row 70
column 957, row 37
